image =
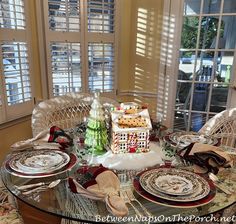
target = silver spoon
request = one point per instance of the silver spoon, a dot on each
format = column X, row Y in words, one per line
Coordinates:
column 40, row 188
column 27, row 186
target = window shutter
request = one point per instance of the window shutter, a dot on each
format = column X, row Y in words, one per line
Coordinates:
column 101, row 67
column 101, row 16
column 16, row 72
column 16, row 88
column 101, row 45
column 12, row 14
column 64, row 15
column 66, row 68
column 80, row 40
column 63, row 46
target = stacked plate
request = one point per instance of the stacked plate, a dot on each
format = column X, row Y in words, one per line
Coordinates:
column 184, row 138
column 40, row 163
column 174, row 187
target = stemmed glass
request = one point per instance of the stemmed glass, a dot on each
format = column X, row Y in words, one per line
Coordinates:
column 78, row 140
column 168, row 152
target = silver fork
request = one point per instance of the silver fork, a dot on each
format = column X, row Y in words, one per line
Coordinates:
column 133, row 198
column 126, row 199
column 218, row 183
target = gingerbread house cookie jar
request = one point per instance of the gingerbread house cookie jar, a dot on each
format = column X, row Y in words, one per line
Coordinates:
column 130, row 129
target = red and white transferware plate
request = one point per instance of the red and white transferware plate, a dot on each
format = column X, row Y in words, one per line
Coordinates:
column 60, row 169
column 181, row 201
column 174, row 184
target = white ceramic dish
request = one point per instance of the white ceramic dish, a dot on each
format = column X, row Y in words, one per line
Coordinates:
column 198, row 186
column 42, row 161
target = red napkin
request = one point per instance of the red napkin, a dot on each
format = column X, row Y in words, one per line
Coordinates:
column 54, row 138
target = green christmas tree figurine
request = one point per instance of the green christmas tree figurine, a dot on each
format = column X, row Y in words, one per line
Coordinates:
column 96, row 133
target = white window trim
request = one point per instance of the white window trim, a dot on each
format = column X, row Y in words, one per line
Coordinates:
column 13, row 112
column 170, row 44
column 41, row 10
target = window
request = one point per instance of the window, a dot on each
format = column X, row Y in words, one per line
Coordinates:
column 123, row 147
column 80, row 45
column 142, row 144
column 142, row 136
column 123, row 136
column 200, row 61
column 16, row 89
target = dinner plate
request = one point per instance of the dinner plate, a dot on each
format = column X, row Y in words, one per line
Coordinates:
column 72, row 162
column 200, row 187
column 184, row 138
column 171, row 203
column 42, row 161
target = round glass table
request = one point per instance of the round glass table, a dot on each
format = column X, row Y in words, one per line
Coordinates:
column 61, row 202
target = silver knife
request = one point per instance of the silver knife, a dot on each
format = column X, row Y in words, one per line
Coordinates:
column 24, row 187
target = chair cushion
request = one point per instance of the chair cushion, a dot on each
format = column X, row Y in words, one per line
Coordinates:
column 8, row 210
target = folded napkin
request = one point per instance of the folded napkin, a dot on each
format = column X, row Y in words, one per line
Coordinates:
column 104, row 185
column 206, row 158
column 53, row 138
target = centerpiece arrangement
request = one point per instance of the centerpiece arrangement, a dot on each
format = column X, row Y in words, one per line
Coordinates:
column 96, row 137
column 130, row 129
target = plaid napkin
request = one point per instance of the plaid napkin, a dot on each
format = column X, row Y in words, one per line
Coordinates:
column 57, row 135
column 206, row 158
column 54, row 138
column 101, row 184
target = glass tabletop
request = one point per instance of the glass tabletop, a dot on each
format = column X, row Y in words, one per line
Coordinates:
column 60, row 201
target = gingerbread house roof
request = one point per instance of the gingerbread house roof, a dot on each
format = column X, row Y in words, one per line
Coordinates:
column 138, row 121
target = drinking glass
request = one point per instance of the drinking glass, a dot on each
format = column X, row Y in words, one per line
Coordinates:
column 168, row 152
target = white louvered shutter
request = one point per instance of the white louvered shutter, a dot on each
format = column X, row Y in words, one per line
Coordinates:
column 66, row 67
column 80, row 45
column 101, row 16
column 101, row 45
column 101, row 67
column 16, row 88
column 63, row 35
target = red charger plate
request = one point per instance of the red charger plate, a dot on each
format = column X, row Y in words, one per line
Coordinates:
column 138, row 188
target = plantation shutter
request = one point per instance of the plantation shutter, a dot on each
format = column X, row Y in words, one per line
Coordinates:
column 80, row 45
column 16, row 88
column 101, row 45
column 101, row 67
column 63, row 37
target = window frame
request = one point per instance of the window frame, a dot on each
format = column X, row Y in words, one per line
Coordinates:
column 19, row 110
column 83, row 37
column 173, row 9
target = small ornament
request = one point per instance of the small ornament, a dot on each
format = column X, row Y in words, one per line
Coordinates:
column 96, row 137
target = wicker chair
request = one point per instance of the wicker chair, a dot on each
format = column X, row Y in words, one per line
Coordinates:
column 223, row 126
column 64, row 111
